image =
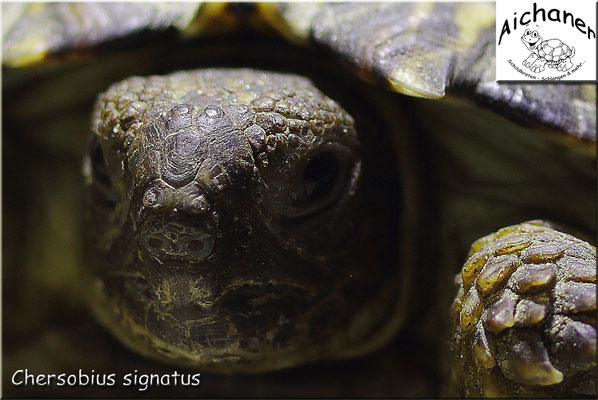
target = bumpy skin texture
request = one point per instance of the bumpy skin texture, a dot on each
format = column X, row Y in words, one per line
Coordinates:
column 525, row 315
column 228, row 218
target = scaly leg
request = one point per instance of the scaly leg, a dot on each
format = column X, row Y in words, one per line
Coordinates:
column 525, row 315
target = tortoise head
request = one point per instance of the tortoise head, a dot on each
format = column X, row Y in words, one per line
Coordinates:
column 230, row 222
column 531, row 39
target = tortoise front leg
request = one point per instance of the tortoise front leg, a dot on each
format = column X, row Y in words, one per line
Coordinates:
column 538, row 65
column 565, row 65
column 525, row 315
column 529, row 61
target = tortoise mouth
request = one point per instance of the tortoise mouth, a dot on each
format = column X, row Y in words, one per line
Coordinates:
column 230, row 316
column 247, row 298
column 531, row 44
column 203, row 292
column 248, row 310
column 247, row 318
column 254, row 294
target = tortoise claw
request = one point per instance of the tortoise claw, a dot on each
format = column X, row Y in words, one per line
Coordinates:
column 525, row 322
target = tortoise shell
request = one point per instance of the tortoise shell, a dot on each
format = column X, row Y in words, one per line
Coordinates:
column 554, row 50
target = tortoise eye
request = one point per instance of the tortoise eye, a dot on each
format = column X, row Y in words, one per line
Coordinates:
column 98, row 163
column 99, row 172
column 320, row 175
column 321, row 181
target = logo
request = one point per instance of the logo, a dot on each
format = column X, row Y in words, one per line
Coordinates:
column 545, row 40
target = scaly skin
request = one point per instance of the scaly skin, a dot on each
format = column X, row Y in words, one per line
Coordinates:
column 230, row 213
column 525, row 315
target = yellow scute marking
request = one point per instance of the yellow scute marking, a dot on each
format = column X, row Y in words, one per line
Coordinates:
column 31, row 50
column 471, row 18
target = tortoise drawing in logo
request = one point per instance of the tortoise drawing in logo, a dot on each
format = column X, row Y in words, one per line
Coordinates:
column 552, row 53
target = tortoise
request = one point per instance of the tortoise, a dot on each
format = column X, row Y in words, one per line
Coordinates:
column 552, row 53
column 290, row 199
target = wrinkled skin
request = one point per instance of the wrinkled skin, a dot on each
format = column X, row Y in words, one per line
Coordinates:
column 231, row 222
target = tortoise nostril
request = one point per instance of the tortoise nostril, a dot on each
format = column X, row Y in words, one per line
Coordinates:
column 196, row 245
column 177, row 239
column 155, row 243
